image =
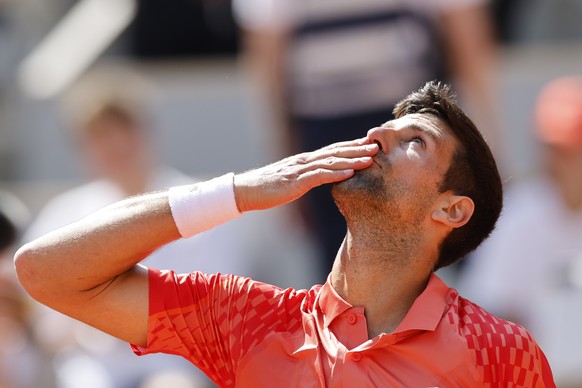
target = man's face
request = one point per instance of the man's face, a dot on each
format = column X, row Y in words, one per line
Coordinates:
column 402, row 183
column 114, row 149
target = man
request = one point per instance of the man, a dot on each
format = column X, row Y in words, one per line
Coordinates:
column 417, row 193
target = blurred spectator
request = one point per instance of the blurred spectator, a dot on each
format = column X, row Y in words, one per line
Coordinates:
column 335, row 68
column 530, row 270
column 22, row 363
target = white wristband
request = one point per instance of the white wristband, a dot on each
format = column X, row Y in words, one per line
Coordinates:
column 202, row 206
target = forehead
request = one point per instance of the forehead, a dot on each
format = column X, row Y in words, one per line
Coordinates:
column 427, row 123
column 442, row 143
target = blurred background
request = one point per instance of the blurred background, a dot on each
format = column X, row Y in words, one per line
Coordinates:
column 101, row 99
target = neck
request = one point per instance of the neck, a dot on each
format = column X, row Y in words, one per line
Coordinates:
column 385, row 282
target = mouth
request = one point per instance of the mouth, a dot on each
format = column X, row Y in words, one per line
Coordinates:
column 379, row 151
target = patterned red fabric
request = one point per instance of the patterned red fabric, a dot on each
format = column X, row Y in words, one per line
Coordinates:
column 503, row 351
column 246, row 333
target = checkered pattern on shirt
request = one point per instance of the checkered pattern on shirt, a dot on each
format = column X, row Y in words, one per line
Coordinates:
column 505, row 354
column 221, row 319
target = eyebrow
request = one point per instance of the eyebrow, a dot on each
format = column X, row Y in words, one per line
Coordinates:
column 435, row 135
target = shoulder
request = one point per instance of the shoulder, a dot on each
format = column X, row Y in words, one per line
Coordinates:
column 503, row 351
column 214, row 320
column 234, row 306
column 484, row 330
column 173, row 290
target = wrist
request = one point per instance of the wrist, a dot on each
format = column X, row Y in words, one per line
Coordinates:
column 204, row 205
column 241, row 189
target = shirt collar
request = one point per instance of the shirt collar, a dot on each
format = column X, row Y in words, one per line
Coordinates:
column 424, row 314
column 330, row 303
column 427, row 310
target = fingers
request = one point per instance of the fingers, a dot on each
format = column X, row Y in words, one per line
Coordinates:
column 334, row 163
column 320, row 177
column 340, row 151
column 330, row 170
column 348, row 143
column 290, row 178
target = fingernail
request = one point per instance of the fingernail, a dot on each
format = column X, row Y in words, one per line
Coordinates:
column 371, row 147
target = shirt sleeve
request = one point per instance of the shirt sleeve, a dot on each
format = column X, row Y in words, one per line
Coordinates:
column 505, row 353
column 212, row 320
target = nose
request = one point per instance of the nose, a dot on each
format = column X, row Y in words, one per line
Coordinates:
column 383, row 137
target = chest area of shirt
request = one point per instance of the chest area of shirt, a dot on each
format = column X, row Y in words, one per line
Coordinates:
column 341, row 355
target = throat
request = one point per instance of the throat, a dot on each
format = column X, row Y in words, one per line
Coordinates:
column 386, row 289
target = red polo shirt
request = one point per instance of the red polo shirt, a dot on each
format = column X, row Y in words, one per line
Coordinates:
column 250, row 334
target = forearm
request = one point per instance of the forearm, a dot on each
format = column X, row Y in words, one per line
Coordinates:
column 82, row 256
column 95, row 259
column 88, row 270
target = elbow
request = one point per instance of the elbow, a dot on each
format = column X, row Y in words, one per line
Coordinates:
column 26, row 271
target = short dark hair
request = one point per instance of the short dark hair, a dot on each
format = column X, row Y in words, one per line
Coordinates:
column 473, row 171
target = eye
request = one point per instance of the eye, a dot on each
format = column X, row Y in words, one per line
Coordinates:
column 417, row 140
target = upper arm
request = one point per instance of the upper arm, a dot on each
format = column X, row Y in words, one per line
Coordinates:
column 87, row 270
column 119, row 307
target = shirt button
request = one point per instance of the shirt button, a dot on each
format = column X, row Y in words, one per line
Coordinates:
column 356, row 356
column 352, row 319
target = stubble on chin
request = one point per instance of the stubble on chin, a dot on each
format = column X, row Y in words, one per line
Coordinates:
column 376, row 207
column 362, row 186
column 369, row 194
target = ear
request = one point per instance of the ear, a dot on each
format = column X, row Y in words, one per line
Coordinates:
column 454, row 211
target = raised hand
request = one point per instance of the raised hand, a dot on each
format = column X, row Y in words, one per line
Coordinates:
column 290, row 178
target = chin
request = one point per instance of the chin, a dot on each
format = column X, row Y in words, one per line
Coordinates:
column 362, row 183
